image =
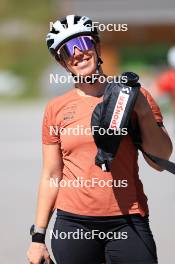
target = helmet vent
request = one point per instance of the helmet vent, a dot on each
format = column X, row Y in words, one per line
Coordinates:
column 64, row 23
column 50, row 42
column 89, row 22
column 54, row 31
column 76, row 19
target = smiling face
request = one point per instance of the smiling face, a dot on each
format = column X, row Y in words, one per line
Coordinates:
column 80, row 62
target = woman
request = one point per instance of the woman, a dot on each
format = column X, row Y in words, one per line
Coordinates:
column 95, row 223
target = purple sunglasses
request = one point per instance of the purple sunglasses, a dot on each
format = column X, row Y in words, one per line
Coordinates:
column 83, row 43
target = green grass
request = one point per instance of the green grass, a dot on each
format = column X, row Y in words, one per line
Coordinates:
column 143, row 56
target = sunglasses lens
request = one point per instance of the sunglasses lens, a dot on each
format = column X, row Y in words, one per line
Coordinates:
column 83, row 43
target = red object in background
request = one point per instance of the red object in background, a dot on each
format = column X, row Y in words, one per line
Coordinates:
column 166, row 84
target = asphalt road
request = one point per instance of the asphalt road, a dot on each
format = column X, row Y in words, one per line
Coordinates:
column 20, row 163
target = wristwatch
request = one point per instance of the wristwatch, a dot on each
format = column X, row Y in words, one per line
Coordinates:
column 38, row 234
column 37, row 230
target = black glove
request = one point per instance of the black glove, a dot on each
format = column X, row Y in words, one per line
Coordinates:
column 110, row 116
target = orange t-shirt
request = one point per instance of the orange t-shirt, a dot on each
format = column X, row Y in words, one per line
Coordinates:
column 85, row 189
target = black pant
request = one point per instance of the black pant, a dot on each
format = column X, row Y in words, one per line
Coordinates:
column 116, row 239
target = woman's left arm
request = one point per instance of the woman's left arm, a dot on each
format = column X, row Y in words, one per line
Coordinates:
column 155, row 139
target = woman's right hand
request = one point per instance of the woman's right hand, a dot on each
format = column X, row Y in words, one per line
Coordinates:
column 37, row 252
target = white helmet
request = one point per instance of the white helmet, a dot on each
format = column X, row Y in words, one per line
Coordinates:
column 67, row 28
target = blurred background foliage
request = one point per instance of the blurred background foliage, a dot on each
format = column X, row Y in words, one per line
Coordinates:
column 139, row 57
column 23, row 28
column 31, row 11
column 24, row 58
